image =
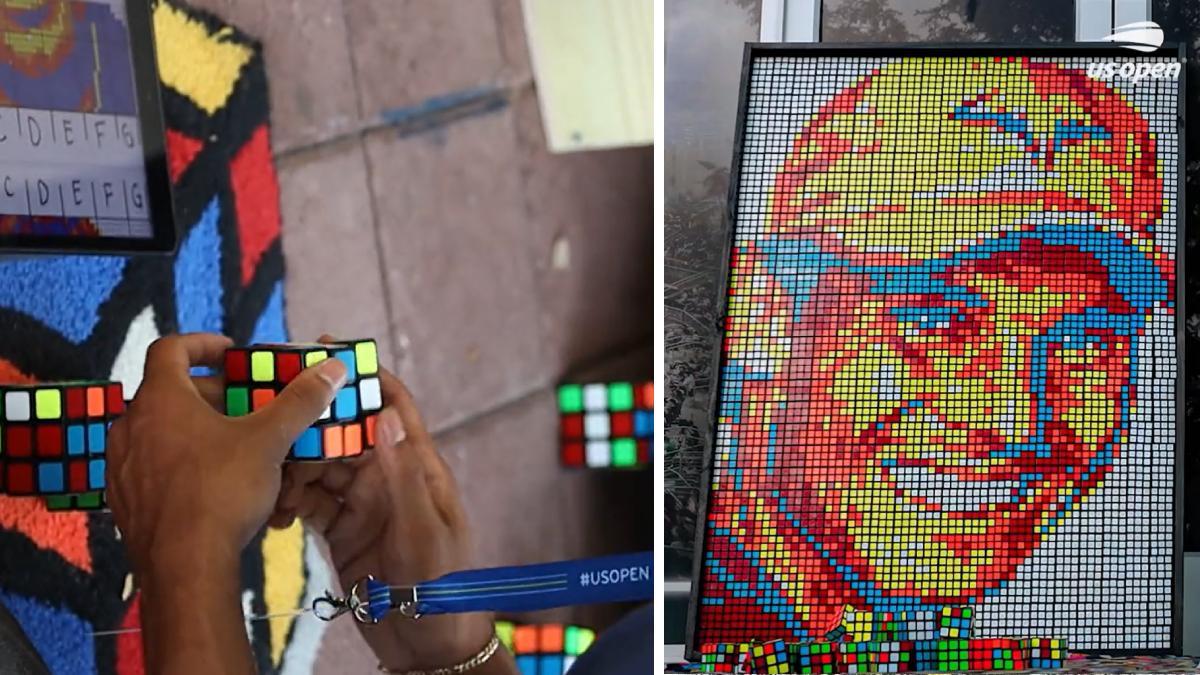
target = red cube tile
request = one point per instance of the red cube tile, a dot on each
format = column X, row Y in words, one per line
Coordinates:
column 18, row 440
column 287, row 366
column 572, row 453
column 77, row 477
column 237, row 366
column 49, row 442
column 114, row 399
column 621, row 424
column 19, row 478
column 643, row 451
column 76, row 403
column 572, row 426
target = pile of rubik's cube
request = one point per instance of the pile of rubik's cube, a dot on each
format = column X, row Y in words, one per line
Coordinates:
column 889, row 642
column 544, row 649
column 606, row 425
column 53, row 435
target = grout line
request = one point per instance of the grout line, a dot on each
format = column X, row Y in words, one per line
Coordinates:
column 369, row 168
column 522, row 396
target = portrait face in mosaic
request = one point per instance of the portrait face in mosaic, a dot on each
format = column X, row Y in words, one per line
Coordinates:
column 932, row 343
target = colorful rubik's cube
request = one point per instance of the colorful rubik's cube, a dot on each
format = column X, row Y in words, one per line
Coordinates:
column 856, row 625
column 1044, row 653
column 894, row 657
column 925, row 655
column 813, row 657
column 723, row 657
column 916, row 625
column 996, row 654
column 606, row 425
column 858, row 657
column 954, row 622
column 86, row 501
column 255, row 375
column 544, row 649
column 53, row 436
column 770, row 658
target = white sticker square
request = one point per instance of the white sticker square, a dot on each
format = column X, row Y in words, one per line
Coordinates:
column 369, row 395
column 16, row 406
column 596, row 425
column 599, row 453
column 595, row 397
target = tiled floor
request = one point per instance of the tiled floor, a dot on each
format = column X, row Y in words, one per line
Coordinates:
column 487, row 268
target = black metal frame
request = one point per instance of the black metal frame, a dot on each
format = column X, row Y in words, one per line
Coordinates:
column 158, row 184
column 753, row 50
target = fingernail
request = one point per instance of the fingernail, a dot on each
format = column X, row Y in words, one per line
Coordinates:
column 390, row 428
column 332, row 371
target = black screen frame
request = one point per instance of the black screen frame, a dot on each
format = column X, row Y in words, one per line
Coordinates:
column 152, row 125
column 753, row 50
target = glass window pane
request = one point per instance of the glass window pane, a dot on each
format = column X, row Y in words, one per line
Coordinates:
column 704, row 42
column 1009, row 21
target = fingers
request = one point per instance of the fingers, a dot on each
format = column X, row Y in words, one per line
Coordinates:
column 177, row 353
column 212, row 390
column 319, row 509
column 300, row 404
column 397, row 396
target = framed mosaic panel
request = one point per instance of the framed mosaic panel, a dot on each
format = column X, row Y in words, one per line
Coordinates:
column 951, row 366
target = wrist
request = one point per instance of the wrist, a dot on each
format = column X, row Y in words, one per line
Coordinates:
column 445, row 641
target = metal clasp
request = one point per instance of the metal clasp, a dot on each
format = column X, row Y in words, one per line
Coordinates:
column 401, row 598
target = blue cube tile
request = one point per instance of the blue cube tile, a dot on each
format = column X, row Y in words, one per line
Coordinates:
column 552, row 664
column 345, row 406
column 96, row 474
column 308, row 446
column 95, row 438
column 528, row 664
column 50, row 478
column 643, row 423
column 75, row 440
column 347, row 357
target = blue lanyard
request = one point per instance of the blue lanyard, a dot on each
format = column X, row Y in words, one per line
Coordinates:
column 521, row 588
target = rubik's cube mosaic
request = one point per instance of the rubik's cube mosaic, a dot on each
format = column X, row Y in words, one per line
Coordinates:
column 53, row 436
column 949, row 365
column 544, row 649
column 255, row 375
column 606, row 425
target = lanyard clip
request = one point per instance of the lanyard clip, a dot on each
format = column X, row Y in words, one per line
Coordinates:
column 330, row 607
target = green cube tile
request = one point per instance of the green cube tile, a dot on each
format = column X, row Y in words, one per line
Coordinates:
column 570, row 398
column 366, row 358
column 48, row 403
column 237, row 401
column 620, row 396
column 262, row 366
column 624, row 452
column 586, row 637
column 89, row 500
column 58, row 502
column 504, row 633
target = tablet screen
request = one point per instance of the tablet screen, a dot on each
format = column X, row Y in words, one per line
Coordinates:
column 71, row 155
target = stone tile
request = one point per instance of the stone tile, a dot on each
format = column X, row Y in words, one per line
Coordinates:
column 308, row 64
column 592, row 214
column 456, row 243
column 511, row 21
column 407, row 51
column 334, row 282
column 524, row 507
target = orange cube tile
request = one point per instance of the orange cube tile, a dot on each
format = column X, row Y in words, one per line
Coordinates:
column 525, row 640
column 260, row 398
column 333, row 442
column 352, row 441
column 95, row 401
column 551, row 638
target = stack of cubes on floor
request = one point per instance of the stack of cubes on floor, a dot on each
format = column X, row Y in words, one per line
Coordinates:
column 255, row 375
column 52, row 440
column 891, row 642
column 606, row 425
column 544, row 649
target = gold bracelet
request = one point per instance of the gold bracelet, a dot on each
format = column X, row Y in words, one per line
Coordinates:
column 474, row 662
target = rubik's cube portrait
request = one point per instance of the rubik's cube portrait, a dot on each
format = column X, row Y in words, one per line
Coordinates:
column 544, row 649
column 53, row 437
column 606, row 425
column 949, row 367
column 255, row 375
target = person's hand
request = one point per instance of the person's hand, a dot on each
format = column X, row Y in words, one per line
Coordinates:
column 184, row 481
column 395, row 513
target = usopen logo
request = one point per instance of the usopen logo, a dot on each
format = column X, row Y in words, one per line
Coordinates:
column 1143, row 36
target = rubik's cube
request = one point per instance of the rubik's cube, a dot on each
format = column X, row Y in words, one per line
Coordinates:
column 544, row 649
column 858, row 657
column 952, row 654
column 914, row 625
column 996, row 654
column 606, row 425
column 1044, row 653
column 53, row 436
column 954, row 622
column 770, row 658
column 86, row 501
column 255, row 375
column 724, row 657
column 813, row 657
column 894, row 657
column 857, row 625
column 925, row 655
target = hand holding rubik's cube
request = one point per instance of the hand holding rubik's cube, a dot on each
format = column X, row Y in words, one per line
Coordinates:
column 255, row 375
column 53, row 436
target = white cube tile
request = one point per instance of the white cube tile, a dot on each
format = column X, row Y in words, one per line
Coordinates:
column 16, row 406
column 595, row 397
column 369, row 395
column 598, row 453
column 596, row 426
